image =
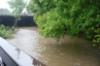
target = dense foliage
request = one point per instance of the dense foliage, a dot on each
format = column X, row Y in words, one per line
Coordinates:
column 56, row 18
column 5, row 32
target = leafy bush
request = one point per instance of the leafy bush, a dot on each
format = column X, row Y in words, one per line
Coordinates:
column 5, row 32
column 96, row 39
column 49, row 23
column 71, row 17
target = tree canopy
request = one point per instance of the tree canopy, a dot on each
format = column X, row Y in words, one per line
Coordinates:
column 17, row 6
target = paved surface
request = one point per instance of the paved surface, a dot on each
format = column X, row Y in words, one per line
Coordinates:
column 7, row 60
column 13, row 56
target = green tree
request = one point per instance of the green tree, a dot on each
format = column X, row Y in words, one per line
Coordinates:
column 56, row 18
column 41, row 6
column 17, row 6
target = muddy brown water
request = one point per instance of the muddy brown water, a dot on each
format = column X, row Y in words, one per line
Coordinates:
column 64, row 52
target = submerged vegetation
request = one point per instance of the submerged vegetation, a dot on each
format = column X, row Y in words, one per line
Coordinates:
column 80, row 18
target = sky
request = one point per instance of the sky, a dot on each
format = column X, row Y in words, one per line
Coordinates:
column 4, row 4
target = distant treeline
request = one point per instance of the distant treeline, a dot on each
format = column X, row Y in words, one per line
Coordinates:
column 23, row 21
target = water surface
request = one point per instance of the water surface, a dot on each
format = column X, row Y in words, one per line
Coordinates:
column 67, row 52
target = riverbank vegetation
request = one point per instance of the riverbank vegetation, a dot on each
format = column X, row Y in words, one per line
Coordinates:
column 5, row 32
column 56, row 18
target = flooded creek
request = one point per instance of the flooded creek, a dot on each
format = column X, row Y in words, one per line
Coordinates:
column 72, row 51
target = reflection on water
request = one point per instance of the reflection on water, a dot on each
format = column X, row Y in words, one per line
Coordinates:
column 72, row 52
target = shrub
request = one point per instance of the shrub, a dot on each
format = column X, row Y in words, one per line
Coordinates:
column 71, row 17
column 96, row 39
column 5, row 32
column 51, row 25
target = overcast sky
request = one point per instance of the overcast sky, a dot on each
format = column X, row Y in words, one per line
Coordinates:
column 4, row 4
